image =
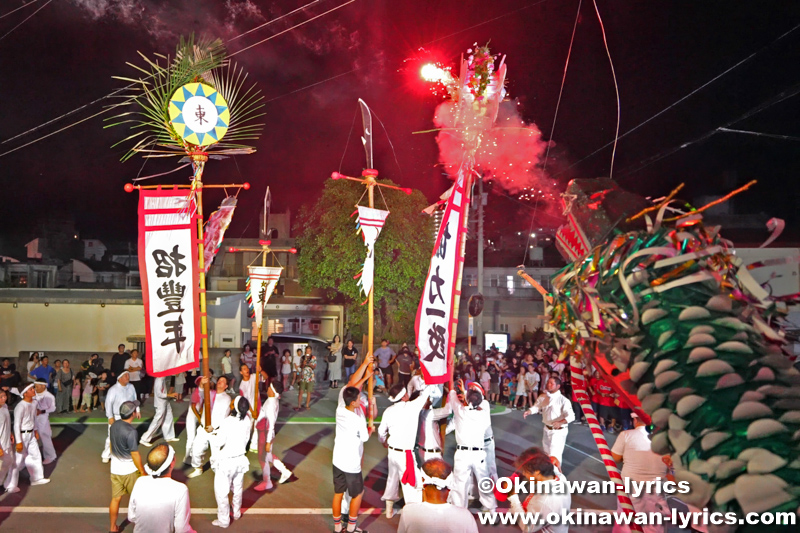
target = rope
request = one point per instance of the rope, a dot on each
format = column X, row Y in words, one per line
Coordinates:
column 346, row 144
column 23, row 6
column 616, row 88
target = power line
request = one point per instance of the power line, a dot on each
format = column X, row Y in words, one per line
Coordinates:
column 114, row 93
column 24, row 20
column 785, row 95
column 23, row 6
column 685, row 97
column 290, row 13
column 759, row 134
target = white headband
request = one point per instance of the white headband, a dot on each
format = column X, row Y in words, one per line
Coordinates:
column 20, row 393
column 274, row 391
column 123, row 373
column 398, row 396
column 161, row 469
column 438, row 482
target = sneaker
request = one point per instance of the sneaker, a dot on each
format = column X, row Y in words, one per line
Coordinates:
column 194, row 473
column 43, row 481
column 262, row 487
column 175, row 439
column 219, row 524
column 48, row 461
column 611, row 430
column 106, row 461
column 237, row 516
column 12, row 491
column 285, row 477
column 147, row 444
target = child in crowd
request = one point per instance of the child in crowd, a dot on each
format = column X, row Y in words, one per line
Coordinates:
column 76, row 392
column 522, row 389
column 504, row 391
column 102, row 389
column 88, row 389
column 512, row 392
column 485, row 378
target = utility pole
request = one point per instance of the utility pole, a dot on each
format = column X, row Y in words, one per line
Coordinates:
column 479, row 318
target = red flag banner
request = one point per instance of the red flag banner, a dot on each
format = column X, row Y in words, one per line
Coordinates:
column 436, row 316
column 169, row 271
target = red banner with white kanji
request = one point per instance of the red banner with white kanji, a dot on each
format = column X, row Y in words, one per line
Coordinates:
column 436, row 316
column 168, row 268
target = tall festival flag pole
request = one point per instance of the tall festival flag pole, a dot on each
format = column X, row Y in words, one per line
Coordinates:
column 261, row 282
column 475, row 98
column 185, row 105
column 370, row 222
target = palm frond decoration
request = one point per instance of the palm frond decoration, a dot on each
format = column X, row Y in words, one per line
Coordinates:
column 203, row 61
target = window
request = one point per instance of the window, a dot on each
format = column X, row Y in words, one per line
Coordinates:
column 494, row 280
column 504, row 328
column 510, row 284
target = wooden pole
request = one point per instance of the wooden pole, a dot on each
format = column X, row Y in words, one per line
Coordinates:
column 370, row 180
column 200, row 162
column 258, row 349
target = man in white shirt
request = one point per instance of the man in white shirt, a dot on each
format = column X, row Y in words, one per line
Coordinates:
column 6, row 449
column 397, row 432
column 220, row 409
column 470, row 420
column 25, row 435
column 546, row 499
column 640, row 463
column 265, row 423
column 434, row 513
column 133, row 367
column 159, row 504
column 348, row 448
column 45, row 404
column 163, row 416
column 122, row 391
column 556, row 413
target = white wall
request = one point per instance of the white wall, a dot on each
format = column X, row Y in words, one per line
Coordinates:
column 67, row 327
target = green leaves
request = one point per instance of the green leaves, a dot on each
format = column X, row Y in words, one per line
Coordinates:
column 332, row 252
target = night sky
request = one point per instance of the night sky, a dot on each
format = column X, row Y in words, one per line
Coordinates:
column 65, row 56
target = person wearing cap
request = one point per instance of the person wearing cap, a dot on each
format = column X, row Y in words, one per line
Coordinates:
column 398, row 433
column 193, row 418
column 641, row 464
column 220, row 409
column 470, row 420
column 158, row 503
column 126, row 463
column 163, row 416
column 228, row 460
column 122, row 391
column 45, row 404
column 6, row 448
column 434, row 513
column 556, row 410
column 25, row 435
column 265, row 423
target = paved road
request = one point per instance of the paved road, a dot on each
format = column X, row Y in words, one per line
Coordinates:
column 78, row 495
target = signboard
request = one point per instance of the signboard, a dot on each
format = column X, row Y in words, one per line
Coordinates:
column 169, row 273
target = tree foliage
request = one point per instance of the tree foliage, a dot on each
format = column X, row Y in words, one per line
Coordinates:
column 331, row 253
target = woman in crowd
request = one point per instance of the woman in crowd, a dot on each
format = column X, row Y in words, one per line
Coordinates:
column 350, row 356
column 64, row 380
column 335, row 361
column 286, row 369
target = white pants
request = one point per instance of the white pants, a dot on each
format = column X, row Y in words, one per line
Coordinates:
column 465, row 464
column 30, row 458
column 106, row 455
column 491, row 460
column 266, row 459
column 397, row 466
column 553, row 442
column 46, row 436
column 199, row 447
column 646, row 503
column 162, row 419
column 8, row 467
column 191, row 433
column 228, row 478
